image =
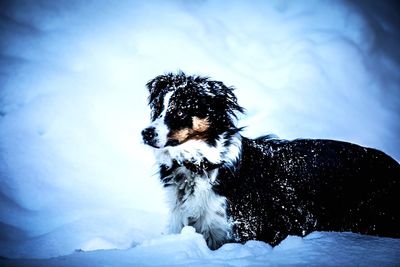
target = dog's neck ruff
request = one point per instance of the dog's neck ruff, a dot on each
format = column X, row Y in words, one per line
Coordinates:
column 189, row 184
column 226, row 151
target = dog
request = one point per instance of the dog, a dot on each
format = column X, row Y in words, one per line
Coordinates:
column 233, row 189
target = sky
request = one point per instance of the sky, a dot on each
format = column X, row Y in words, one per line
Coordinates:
column 73, row 100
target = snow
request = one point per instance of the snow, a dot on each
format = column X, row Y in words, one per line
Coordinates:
column 74, row 174
column 190, row 249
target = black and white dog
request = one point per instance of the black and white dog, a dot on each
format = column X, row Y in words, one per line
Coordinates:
column 233, row 189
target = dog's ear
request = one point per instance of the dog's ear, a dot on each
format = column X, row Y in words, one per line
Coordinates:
column 164, row 82
column 156, row 86
column 228, row 99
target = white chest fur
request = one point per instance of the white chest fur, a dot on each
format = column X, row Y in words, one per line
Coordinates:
column 191, row 197
column 193, row 202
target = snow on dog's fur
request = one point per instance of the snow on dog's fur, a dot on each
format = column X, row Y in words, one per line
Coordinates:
column 231, row 188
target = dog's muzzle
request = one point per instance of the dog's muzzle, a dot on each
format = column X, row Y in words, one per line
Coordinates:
column 149, row 136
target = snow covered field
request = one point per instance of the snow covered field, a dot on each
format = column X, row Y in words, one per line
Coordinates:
column 190, row 249
column 74, row 174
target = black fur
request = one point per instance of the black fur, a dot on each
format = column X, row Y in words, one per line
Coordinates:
column 201, row 97
column 282, row 188
column 278, row 187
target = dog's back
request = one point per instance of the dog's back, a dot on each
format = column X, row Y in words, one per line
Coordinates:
column 282, row 188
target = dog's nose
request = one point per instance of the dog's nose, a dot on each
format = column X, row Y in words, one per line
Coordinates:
column 149, row 134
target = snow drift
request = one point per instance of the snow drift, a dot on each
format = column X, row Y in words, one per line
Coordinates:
column 74, row 173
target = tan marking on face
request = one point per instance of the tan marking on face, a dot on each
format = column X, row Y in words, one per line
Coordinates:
column 197, row 132
column 180, row 135
column 200, row 125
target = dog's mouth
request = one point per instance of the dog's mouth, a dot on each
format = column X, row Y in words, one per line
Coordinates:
column 154, row 144
column 172, row 142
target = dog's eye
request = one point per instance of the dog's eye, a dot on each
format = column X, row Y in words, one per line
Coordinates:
column 179, row 113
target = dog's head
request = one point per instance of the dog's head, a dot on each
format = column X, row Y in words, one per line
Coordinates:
column 187, row 108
